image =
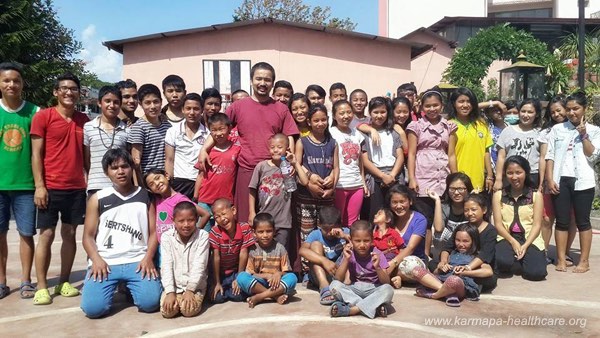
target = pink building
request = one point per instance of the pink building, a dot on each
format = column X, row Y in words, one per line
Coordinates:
column 220, row 56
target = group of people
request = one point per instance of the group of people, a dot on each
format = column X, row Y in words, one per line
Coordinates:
column 188, row 202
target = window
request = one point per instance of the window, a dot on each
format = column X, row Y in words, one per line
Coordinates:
column 227, row 76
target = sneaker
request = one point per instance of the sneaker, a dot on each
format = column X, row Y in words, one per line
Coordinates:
column 66, row 290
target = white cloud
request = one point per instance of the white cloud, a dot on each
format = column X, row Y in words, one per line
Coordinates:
column 105, row 63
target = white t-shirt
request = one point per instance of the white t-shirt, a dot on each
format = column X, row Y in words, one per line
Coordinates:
column 122, row 236
column 186, row 150
column 350, row 148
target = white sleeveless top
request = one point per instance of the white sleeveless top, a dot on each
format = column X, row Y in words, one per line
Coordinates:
column 122, row 236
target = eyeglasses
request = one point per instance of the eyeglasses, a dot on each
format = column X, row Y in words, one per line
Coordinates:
column 64, row 89
column 457, row 190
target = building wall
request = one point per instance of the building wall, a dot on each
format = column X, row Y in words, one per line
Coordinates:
column 569, row 9
column 298, row 55
column 407, row 16
column 428, row 68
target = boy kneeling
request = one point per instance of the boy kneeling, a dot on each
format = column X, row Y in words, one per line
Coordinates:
column 121, row 219
column 268, row 273
column 184, row 252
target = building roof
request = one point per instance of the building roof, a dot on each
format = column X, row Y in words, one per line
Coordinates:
column 429, row 32
column 490, row 21
column 416, row 47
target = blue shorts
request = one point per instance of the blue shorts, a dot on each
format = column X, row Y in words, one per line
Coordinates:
column 211, row 220
column 23, row 208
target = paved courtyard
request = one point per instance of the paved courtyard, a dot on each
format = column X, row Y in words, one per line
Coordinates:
column 566, row 304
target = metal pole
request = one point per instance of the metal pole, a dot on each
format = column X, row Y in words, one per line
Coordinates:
column 581, row 44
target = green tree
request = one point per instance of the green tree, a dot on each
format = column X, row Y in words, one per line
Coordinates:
column 470, row 64
column 30, row 34
column 290, row 10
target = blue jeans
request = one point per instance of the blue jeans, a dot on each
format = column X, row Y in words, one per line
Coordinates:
column 97, row 296
column 226, row 283
column 21, row 203
column 246, row 282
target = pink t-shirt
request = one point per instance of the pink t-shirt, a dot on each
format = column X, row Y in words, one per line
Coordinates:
column 220, row 178
column 164, row 213
column 431, row 167
column 256, row 123
column 63, row 148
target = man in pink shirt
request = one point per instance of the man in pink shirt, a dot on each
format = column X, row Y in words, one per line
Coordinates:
column 257, row 118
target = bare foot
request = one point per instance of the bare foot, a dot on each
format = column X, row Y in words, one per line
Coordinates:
column 282, row 299
column 253, row 301
column 582, row 268
column 561, row 267
column 397, row 282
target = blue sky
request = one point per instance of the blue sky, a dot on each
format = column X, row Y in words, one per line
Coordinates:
column 97, row 21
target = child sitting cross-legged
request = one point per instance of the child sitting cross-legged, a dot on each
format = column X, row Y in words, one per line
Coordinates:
column 370, row 290
column 454, row 280
column 184, row 265
column 322, row 248
column 268, row 272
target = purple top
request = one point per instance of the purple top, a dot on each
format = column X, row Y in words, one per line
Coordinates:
column 361, row 268
column 431, row 167
column 417, row 226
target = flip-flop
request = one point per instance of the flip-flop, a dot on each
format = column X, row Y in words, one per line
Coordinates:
column 453, row 301
column 326, row 296
column 4, row 291
column 422, row 291
column 341, row 309
column 27, row 290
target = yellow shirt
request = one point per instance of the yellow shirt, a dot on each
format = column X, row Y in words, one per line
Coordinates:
column 473, row 140
column 304, row 131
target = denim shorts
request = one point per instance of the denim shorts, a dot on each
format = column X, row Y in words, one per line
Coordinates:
column 23, row 208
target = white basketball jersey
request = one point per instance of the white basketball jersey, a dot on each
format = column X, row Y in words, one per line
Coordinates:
column 122, row 236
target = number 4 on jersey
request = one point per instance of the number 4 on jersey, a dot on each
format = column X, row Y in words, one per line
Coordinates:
column 108, row 243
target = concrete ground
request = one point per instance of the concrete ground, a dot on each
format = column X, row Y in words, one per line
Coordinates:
column 566, row 304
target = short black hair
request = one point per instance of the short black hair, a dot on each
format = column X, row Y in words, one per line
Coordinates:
column 263, row 217
column 185, row 205
column 317, row 89
column 361, row 225
column 225, row 201
column 154, row 171
column 219, row 117
column 337, row 85
column 283, row 84
column 4, row 66
column 473, row 232
column 123, row 84
column 109, row 90
column 173, row 80
column 264, row 66
column 406, row 87
column 330, row 215
column 68, row 76
column 113, row 155
column 148, row 89
column 239, row 91
column 193, row 97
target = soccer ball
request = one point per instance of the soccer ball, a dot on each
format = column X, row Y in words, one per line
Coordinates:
column 409, row 263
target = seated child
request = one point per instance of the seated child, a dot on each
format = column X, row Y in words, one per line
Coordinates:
column 387, row 239
column 370, row 288
column 268, row 273
column 267, row 190
column 157, row 180
column 454, row 281
column 184, row 265
column 219, row 179
column 322, row 248
column 119, row 238
column 230, row 242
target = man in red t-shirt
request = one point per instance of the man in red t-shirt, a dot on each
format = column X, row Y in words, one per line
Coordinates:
column 257, row 118
column 57, row 163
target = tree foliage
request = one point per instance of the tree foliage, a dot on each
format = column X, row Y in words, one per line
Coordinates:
column 470, row 64
column 290, row 10
column 31, row 35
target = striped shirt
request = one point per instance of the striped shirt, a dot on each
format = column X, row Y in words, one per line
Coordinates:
column 152, row 140
column 229, row 248
column 99, row 141
column 268, row 260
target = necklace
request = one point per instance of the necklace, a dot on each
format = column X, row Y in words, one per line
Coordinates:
column 112, row 139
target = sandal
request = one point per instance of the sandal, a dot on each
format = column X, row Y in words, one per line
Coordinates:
column 453, row 301
column 4, row 291
column 42, row 297
column 27, row 290
column 341, row 309
column 65, row 289
column 421, row 291
column 326, row 296
column 382, row 311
